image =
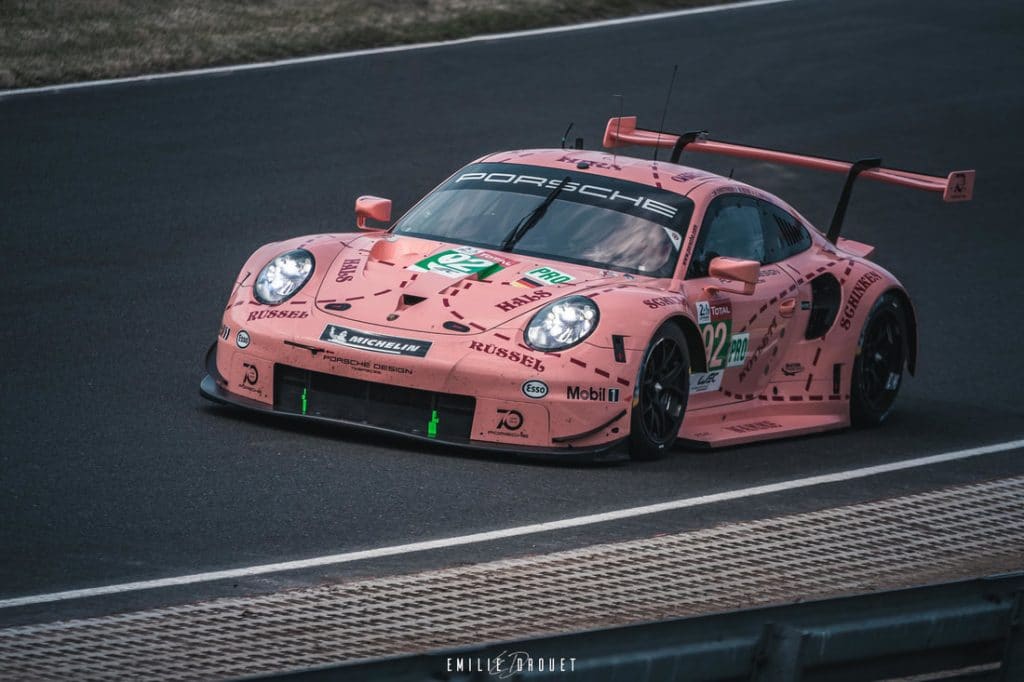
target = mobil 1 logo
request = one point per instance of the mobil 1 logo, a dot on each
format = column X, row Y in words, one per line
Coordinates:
column 590, row 393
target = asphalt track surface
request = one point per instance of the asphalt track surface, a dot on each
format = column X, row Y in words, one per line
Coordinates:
column 126, row 210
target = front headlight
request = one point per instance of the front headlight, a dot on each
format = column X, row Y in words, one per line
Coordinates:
column 282, row 277
column 562, row 324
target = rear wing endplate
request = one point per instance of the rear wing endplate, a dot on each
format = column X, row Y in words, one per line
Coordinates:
column 957, row 186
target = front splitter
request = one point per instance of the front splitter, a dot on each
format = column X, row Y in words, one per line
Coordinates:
column 606, row 452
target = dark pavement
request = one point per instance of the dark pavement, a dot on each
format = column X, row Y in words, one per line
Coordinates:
column 126, row 210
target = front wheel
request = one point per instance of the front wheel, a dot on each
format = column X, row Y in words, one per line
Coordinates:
column 881, row 357
column 662, row 391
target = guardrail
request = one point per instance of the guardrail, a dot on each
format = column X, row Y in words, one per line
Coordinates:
column 968, row 630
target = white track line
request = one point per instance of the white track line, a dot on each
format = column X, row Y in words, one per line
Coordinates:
column 396, row 48
column 575, row 522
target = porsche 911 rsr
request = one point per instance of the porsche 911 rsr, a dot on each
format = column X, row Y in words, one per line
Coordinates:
column 571, row 302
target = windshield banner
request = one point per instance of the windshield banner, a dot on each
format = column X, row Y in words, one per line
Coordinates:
column 632, row 198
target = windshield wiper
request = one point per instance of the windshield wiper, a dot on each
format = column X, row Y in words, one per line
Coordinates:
column 533, row 217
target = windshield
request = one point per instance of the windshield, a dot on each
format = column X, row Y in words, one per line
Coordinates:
column 594, row 220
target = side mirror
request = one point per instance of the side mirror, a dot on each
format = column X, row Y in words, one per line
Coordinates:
column 374, row 208
column 729, row 270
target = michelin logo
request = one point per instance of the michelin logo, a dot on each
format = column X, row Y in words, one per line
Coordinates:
column 393, row 345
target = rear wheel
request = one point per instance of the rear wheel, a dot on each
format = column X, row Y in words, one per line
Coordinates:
column 662, row 392
column 878, row 369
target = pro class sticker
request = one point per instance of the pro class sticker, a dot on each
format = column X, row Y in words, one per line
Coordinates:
column 392, row 345
column 545, row 275
column 738, row 345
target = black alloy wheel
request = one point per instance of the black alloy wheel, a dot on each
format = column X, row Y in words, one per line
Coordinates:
column 878, row 368
column 663, row 390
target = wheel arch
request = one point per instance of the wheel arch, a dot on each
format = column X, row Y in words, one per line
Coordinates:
column 904, row 299
column 694, row 342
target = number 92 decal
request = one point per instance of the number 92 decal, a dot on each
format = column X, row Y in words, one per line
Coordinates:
column 724, row 349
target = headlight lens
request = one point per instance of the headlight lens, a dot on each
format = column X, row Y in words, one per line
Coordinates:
column 282, row 277
column 562, row 324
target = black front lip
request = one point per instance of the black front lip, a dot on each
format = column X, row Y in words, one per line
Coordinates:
column 212, row 389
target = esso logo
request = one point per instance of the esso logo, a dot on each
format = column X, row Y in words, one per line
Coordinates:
column 535, row 389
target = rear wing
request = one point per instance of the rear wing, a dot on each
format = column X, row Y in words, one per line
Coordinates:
column 957, row 186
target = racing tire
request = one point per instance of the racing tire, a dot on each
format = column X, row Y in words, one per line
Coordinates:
column 880, row 362
column 662, row 391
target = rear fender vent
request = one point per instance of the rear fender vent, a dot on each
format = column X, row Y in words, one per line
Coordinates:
column 825, row 294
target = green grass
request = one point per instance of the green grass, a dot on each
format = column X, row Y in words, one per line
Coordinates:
column 53, row 41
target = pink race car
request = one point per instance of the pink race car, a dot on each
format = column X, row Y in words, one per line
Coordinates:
column 570, row 302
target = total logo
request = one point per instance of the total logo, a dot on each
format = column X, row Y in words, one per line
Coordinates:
column 535, row 389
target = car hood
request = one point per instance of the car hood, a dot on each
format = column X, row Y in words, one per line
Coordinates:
column 420, row 285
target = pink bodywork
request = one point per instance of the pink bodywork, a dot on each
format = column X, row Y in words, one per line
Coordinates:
column 782, row 385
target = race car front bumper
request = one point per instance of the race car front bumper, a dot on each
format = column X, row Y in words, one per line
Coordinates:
column 415, row 414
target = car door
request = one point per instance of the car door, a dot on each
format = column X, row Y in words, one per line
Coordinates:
column 744, row 336
column 788, row 248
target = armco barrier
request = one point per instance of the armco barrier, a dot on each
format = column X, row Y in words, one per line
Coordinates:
column 971, row 629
